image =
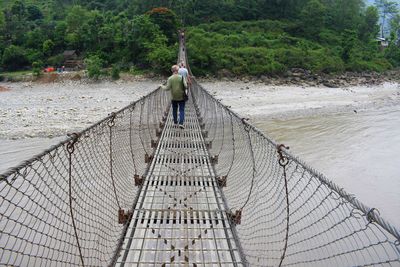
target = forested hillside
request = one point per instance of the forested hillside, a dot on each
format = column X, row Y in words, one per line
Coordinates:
column 240, row 37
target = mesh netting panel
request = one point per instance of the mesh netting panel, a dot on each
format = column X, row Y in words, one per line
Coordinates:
column 61, row 207
column 83, row 181
column 321, row 226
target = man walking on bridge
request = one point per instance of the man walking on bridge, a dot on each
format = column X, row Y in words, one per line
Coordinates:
column 183, row 71
column 177, row 85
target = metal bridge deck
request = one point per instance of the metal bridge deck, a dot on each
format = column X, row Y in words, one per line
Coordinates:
column 180, row 219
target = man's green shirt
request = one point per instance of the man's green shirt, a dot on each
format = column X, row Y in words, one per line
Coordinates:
column 176, row 86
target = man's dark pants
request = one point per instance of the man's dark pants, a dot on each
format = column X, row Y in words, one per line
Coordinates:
column 181, row 105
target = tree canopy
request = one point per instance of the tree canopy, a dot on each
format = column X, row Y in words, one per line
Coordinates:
column 245, row 36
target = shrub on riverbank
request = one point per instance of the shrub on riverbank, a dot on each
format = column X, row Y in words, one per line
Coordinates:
column 94, row 66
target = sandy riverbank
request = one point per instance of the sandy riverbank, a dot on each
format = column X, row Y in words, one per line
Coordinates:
column 257, row 101
column 29, row 110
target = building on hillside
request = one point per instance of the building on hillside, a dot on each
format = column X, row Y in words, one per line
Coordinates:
column 72, row 61
column 383, row 42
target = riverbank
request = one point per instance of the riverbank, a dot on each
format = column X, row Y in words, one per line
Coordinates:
column 81, row 76
column 258, row 101
column 293, row 77
column 305, row 78
column 47, row 110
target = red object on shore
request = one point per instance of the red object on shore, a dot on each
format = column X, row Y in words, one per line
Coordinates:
column 49, row 69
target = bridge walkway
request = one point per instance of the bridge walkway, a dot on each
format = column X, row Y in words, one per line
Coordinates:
column 180, row 218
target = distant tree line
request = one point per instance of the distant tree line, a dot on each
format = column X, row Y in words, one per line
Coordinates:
column 242, row 36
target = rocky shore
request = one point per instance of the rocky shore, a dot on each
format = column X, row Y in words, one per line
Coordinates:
column 302, row 77
column 258, row 101
column 46, row 110
column 293, row 77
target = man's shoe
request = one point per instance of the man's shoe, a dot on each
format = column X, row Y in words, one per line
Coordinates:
column 181, row 126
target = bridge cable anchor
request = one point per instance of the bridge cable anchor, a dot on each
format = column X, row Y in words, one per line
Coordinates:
column 222, row 181
column 138, row 180
column 124, row 216
column 148, row 158
column 235, row 217
column 214, row 160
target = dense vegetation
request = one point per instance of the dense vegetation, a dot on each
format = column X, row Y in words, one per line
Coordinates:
column 238, row 37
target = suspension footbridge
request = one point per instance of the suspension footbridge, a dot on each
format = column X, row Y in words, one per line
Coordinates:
column 134, row 190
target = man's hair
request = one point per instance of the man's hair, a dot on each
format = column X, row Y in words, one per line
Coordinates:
column 174, row 68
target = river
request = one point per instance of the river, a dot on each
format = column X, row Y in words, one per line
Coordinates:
column 358, row 151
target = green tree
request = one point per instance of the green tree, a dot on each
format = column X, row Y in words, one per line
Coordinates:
column 94, row 65
column 34, row 39
column 349, row 39
column 167, row 20
column 15, row 25
column 48, row 47
column 141, row 35
column 386, row 9
column 2, row 20
column 60, row 33
column 392, row 53
column 115, row 72
column 18, row 9
column 34, row 13
column 395, row 26
column 369, row 28
column 313, row 18
column 161, row 58
column 344, row 14
column 37, row 68
column 2, row 39
column 73, row 41
column 14, row 58
column 76, row 17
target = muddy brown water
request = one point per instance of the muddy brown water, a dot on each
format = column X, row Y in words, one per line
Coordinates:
column 358, row 151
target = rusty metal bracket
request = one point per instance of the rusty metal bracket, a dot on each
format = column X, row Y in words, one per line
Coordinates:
column 222, row 181
column 154, row 143
column 214, row 159
column 124, row 216
column 202, row 125
column 148, row 158
column 283, row 160
column 162, row 124
column 205, row 134
column 158, row 132
column 138, row 180
column 208, row 144
column 236, row 217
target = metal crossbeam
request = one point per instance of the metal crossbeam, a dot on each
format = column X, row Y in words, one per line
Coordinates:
column 180, row 217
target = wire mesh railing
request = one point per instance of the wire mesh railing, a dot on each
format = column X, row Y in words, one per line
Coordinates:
column 286, row 213
column 61, row 207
